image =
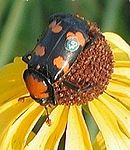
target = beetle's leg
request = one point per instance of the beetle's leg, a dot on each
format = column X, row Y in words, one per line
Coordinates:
column 71, row 85
column 87, row 88
column 22, row 99
column 76, row 88
column 48, row 120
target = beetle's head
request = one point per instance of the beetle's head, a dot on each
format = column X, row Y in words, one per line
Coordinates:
column 39, row 87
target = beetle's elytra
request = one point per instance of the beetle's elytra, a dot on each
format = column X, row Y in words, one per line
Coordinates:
column 53, row 56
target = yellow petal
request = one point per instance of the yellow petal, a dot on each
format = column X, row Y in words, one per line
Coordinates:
column 11, row 81
column 16, row 135
column 48, row 137
column 122, row 71
column 122, row 98
column 30, row 137
column 9, row 112
column 121, row 78
column 122, row 64
column 120, row 87
column 77, row 136
column 106, row 121
column 120, row 91
column 17, row 66
column 99, row 143
column 116, row 41
column 122, row 114
column 119, row 55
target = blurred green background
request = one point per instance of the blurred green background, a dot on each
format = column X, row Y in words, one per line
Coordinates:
column 22, row 21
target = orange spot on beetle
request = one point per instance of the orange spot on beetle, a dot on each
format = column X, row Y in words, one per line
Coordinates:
column 81, row 38
column 52, row 24
column 69, row 34
column 40, row 50
column 56, row 28
column 78, row 35
column 36, row 88
column 60, row 63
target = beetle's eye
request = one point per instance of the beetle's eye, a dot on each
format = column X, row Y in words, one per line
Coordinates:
column 72, row 44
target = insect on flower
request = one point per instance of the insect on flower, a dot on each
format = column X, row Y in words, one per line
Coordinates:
column 54, row 55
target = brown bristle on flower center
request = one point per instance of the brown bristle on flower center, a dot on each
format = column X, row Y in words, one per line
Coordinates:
column 93, row 68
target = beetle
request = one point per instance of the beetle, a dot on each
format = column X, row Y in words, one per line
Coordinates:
column 53, row 56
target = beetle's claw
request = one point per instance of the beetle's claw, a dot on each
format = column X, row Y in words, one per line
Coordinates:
column 48, row 120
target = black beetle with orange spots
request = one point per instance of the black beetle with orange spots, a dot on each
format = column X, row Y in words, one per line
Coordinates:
column 53, row 56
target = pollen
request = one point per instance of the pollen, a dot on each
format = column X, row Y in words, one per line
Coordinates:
column 93, row 69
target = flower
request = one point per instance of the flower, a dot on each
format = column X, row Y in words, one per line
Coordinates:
column 23, row 125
